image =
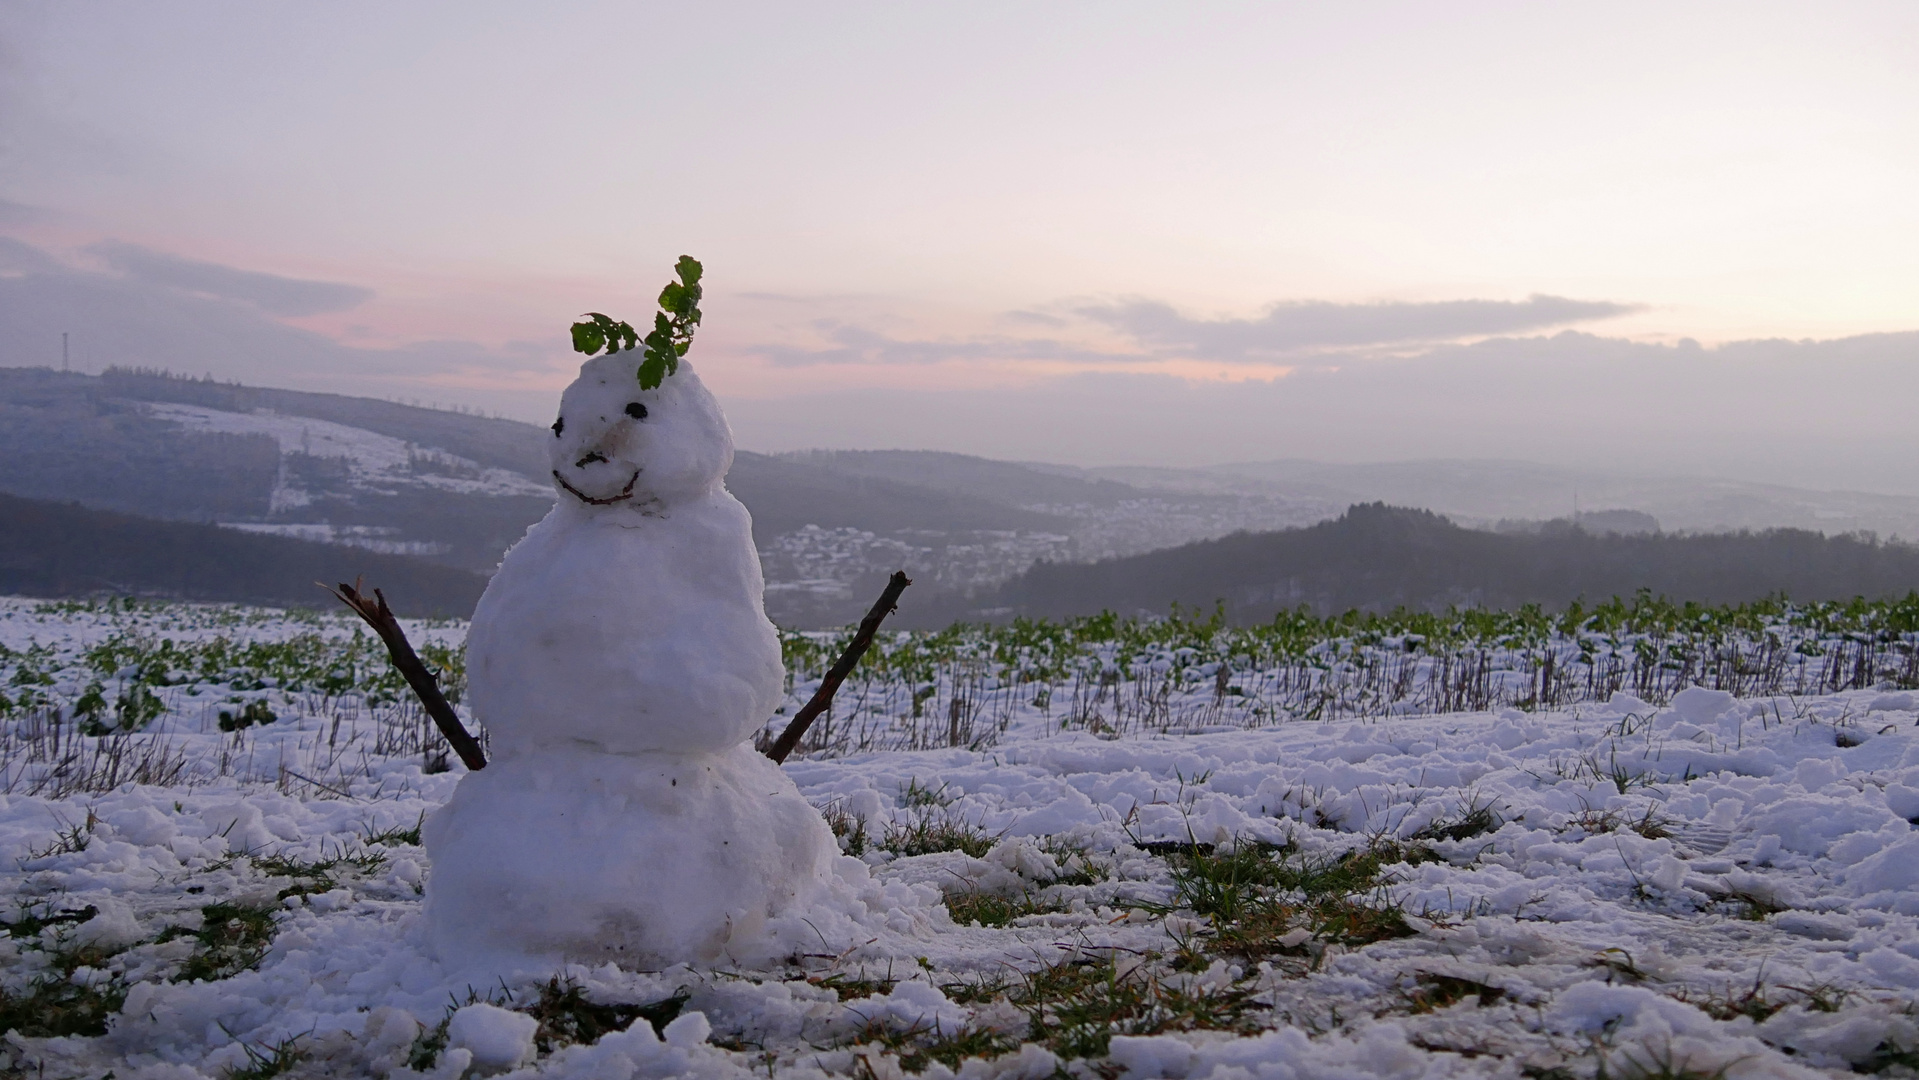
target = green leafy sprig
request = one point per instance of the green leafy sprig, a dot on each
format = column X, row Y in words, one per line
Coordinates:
column 673, row 324
column 672, row 332
column 597, row 331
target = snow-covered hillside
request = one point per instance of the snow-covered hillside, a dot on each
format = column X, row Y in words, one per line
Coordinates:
column 1151, row 869
column 370, row 460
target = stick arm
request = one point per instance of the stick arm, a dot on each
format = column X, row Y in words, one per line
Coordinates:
column 425, row 686
column 841, row 668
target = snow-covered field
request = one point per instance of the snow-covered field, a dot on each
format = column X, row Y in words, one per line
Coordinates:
column 1157, row 864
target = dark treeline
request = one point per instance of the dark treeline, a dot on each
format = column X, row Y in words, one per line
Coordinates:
column 1377, row 557
column 61, row 549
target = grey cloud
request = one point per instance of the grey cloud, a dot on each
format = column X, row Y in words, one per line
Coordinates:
column 271, row 293
column 13, row 213
column 22, row 258
column 1036, row 318
column 858, row 345
column 781, row 298
column 131, row 321
column 1301, row 325
column 1288, row 331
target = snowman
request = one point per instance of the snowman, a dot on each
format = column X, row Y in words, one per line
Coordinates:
column 621, row 660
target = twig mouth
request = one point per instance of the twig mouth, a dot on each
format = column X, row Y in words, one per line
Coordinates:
column 625, row 492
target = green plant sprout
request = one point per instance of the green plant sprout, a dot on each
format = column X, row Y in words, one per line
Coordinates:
column 672, row 332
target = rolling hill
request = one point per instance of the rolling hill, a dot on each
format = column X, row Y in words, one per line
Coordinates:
column 1377, row 557
column 459, row 489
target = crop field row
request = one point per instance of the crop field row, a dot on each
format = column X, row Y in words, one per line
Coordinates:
column 967, row 685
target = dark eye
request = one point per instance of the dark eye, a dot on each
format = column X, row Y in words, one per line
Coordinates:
column 636, row 410
column 559, row 426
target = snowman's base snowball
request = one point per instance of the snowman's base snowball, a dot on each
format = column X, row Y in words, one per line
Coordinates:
column 645, row 860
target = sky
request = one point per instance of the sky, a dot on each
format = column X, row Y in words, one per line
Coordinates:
column 1667, row 236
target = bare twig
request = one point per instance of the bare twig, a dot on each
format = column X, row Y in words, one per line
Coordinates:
column 380, row 618
column 841, row 668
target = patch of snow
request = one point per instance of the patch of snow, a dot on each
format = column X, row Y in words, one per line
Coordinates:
column 369, row 537
column 375, row 461
column 497, row 1038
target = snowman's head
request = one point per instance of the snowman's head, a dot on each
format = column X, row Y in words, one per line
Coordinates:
column 616, row 445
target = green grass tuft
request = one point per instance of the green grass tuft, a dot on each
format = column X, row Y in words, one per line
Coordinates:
column 1651, row 1064
column 1474, row 819
column 987, row 909
column 567, row 1017
column 920, row 1046
column 1076, row 1007
column 849, row 987
column 848, row 828
column 1433, row 992
column 927, row 833
column 1888, row 1056
column 918, row 796
column 1257, row 897
column 409, row 836
column 1753, row 1003
column 231, row 938
column 311, row 876
column 52, row 1004
column 269, row 1061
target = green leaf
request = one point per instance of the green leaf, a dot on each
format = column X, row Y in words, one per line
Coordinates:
column 652, row 371
column 689, row 269
column 598, row 331
column 587, row 338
